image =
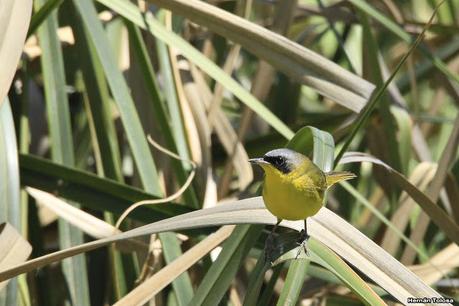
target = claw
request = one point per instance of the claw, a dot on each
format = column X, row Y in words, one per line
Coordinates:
column 302, row 241
column 305, row 249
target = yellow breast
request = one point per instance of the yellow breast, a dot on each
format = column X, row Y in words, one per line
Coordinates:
column 291, row 196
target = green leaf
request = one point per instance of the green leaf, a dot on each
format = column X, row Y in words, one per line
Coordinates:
column 332, row 262
column 40, row 16
column 120, row 91
column 312, row 140
column 372, row 71
column 61, row 145
column 293, row 282
column 159, row 112
column 220, row 275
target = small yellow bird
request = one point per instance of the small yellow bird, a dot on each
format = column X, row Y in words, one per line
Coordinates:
column 294, row 186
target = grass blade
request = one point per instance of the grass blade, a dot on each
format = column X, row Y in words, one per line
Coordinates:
column 294, row 282
column 62, row 146
column 120, row 91
column 40, row 16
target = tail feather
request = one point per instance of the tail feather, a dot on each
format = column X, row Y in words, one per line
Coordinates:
column 338, row 176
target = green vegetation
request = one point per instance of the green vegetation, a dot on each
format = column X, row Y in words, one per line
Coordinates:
column 365, row 86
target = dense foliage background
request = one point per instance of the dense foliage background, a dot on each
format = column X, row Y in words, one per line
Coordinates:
column 219, row 82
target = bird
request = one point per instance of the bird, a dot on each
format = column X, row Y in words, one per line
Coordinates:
column 294, row 187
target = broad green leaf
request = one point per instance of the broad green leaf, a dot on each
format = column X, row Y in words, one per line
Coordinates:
column 320, row 143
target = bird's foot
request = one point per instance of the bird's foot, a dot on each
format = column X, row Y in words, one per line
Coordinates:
column 302, row 242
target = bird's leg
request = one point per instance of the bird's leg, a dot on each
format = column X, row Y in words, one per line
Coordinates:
column 303, row 239
column 269, row 243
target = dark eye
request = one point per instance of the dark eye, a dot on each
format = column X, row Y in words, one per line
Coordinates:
column 276, row 161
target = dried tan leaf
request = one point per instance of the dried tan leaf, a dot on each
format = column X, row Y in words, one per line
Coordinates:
column 226, row 134
column 14, row 22
column 439, row 265
column 14, row 248
column 87, row 223
column 433, row 192
column 420, row 177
